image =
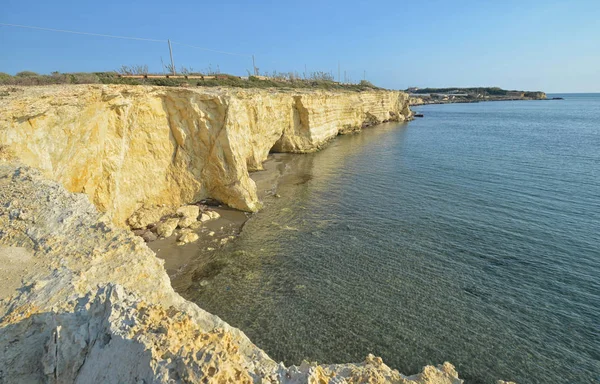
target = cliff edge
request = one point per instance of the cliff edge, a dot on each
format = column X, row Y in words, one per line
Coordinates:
column 130, row 146
column 83, row 301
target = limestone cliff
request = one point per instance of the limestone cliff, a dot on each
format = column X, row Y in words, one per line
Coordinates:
column 82, row 301
column 128, row 146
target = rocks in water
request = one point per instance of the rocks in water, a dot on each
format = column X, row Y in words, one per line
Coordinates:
column 187, row 218
column 148, row 215
column 188, row 237
column 166, row 228
column 209, row 215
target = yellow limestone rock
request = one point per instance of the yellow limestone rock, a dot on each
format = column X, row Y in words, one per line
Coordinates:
column 88, row 302
column 133, row 146
column 148, row 215
column 188, row 237
column 166, row 228
column 189, row 215
column 191, row 211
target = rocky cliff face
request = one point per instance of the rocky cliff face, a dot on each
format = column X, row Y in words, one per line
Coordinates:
column 82, row 301
column 127, row 146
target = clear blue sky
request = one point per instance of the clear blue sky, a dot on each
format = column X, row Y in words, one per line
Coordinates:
column 535, row 45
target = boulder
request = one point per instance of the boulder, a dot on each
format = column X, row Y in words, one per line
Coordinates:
column 148, row 215
column 195, row 225
column 185, row 222
column 166, row 228
column 189, row 211
column 188, row 237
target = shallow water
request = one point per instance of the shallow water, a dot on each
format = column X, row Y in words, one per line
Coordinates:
column 470, row 236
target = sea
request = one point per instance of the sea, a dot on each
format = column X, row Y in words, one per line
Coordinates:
column 471, row 235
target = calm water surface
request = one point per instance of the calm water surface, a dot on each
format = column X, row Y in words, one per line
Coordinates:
column 470, row 236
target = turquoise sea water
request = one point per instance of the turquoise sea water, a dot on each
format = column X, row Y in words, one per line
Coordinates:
column 470, row 236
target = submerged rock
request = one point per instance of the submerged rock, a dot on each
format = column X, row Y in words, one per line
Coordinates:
column 188, row 237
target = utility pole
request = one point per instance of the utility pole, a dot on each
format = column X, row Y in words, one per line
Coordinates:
column 171, row 54
column 254, row 66
column 305, row 72
column 364, row 75
column 339, row 81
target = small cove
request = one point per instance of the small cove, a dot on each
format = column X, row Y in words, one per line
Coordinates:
column 469, row 236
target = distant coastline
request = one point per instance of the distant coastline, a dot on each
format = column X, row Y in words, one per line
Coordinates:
column 421, row 96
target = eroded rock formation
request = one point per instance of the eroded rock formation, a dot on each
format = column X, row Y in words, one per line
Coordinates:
column 129, row 146
column 83, row 301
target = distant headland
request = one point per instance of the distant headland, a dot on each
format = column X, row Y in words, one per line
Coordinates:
column 420, row 96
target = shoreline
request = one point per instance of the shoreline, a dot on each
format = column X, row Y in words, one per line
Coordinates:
column 218, row 233
column 417, row 104
column 87, row 300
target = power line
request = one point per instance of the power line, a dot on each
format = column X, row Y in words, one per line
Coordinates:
column 82, row 33
column 122, row 37
column 127, row 38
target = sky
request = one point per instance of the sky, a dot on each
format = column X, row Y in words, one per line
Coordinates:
column 547, row 45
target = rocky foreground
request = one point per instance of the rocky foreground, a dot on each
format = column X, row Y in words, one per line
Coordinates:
column 83, row 301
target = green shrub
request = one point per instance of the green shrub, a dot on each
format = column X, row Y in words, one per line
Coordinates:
column 163, row 82
column 5, row 79
column 26, row 74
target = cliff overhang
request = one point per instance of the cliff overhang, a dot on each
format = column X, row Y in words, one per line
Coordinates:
column 129, row 146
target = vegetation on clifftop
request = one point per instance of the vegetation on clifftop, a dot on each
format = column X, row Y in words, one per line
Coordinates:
column 283, row 81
